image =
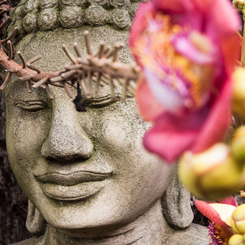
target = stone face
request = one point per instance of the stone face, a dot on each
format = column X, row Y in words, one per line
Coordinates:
column 47, row 19
column 178, row 214
column 193, row 235
column 46, row 136
column 87, row 174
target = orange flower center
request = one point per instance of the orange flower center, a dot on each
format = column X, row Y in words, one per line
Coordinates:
column 156, row 52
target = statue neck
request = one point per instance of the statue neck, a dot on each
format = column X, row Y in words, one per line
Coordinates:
column 149, row 228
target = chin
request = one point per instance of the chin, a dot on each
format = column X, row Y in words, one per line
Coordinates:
column 105, row 211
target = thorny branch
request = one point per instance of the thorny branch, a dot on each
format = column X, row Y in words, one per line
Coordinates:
column 101, row 68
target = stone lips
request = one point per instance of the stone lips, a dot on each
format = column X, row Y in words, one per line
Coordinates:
column 32, row 15
column 72, row 186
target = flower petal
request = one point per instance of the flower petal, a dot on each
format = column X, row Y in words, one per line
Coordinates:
column 225, row 211
column 218, row 213
column 230, row 50
column 227, row 37
column 169, row 145
column 198, row 130
column 173, row 6
column 183, row 46
column 227, row 18
column 203, row 5
column 229, row 200
column 172, row 135
column 140, row 22
column 217, row 122
column 148, row 106
column 167, row 97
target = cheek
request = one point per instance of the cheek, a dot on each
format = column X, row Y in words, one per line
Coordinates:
column 121, row 128
column 26, row 133
column 115, row 133
column 140, row 178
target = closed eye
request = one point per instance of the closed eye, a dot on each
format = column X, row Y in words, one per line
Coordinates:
column 101, row 102
column 31, row 105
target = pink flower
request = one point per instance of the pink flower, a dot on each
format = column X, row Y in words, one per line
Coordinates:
column 187, row 50
column 220, row 213
column 217, row 235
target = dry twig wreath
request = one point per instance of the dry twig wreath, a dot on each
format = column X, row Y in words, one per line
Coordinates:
column 101, row 68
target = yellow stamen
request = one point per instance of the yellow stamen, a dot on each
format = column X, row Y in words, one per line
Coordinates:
column 201, row 42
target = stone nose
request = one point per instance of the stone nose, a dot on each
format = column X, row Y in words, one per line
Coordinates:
column 67, row 140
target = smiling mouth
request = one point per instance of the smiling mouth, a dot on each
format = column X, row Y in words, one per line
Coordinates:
column 73, row 186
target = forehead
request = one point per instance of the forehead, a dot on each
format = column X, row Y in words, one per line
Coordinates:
column 49, row 46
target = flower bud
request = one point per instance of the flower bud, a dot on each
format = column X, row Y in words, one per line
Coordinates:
column 239, row 4
column 212, row 174
column 238, row 216
column 238, row 145
column 236, row 239
column 238, row 103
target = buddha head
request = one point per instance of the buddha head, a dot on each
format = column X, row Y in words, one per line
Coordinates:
column 83, row 170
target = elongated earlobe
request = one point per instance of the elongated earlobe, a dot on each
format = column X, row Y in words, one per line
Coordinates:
column 176, row 205
column 35, row 223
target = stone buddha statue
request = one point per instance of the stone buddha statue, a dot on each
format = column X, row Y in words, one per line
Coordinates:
column 86, row 174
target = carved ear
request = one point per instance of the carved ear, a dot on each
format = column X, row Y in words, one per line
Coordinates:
column 176, row 204
column 35, row 223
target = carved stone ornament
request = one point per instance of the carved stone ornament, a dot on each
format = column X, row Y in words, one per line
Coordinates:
column 30, row 22
column 44, row 4
column 120, row 18
column 47, row 19
column 72, row 2
column 96, row 15
column 99, row 2
column 118, row 3
column 71, row 17
column 51, row 14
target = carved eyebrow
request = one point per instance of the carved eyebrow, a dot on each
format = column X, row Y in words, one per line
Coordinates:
column 31, row 105
column 30, row 102
column 107, row 97
column 26, row 103
column 101, row 98
column 16, row 90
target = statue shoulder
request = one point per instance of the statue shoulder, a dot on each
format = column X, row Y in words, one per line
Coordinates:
column 195, row 234
column 31, row 241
